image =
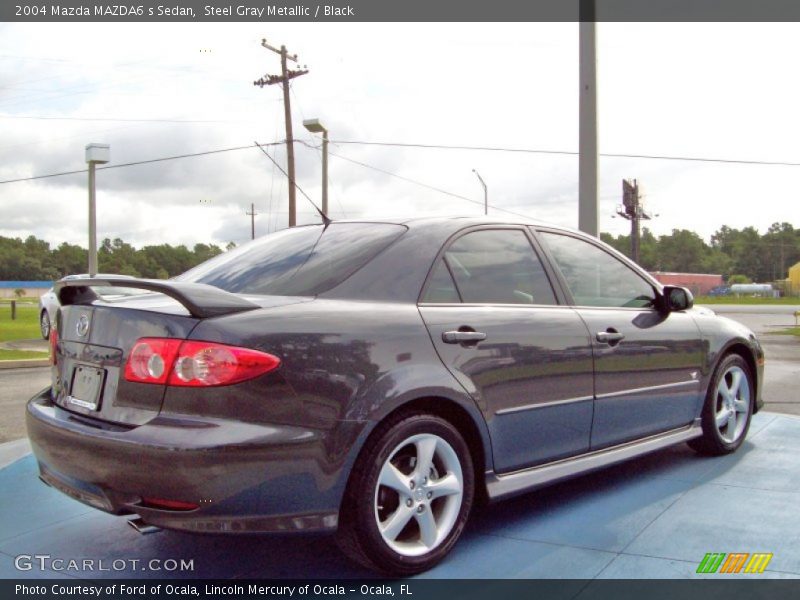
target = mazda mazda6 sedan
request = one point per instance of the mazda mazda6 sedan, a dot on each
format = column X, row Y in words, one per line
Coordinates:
column 377, row 379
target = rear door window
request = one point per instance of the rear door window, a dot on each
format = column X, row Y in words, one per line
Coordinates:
column 490, row 266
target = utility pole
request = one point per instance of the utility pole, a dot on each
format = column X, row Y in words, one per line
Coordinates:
column 588, row 211
column 632, row 210
column 283, row 79
column 252, row 214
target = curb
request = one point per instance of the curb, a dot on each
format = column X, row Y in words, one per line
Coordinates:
column 11, row 452
column 24, row 363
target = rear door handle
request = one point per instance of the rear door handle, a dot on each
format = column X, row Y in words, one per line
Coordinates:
column 611, row 336
column 463, row 337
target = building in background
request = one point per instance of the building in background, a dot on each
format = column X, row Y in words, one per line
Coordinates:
column 794, row 280
column 31, row 289
column 700, row 284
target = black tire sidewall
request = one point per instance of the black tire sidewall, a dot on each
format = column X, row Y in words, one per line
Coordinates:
column 372, row 541
column 710, row 430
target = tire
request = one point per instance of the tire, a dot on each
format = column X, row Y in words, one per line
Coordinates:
column 728, row 408
column 399, row 517
column 44, row 324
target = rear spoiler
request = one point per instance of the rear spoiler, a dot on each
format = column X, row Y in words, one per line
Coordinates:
column 201, row 300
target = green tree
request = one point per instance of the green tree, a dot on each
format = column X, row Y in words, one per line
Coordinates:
column 683, row 251
column 734, row 279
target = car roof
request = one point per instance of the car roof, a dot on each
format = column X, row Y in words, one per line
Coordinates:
column 457, row 222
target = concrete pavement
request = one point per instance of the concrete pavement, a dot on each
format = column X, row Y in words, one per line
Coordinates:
column 654, row 517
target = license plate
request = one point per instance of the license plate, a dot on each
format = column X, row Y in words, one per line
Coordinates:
column 87, row 383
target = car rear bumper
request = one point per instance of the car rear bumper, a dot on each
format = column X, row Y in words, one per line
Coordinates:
column 243, row 477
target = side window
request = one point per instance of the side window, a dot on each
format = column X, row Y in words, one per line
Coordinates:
column 497, row 266
column 595, row 277
column 440, row 286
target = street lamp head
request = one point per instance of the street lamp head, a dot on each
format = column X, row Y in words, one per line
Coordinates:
column 98, row 153
column 314, row 126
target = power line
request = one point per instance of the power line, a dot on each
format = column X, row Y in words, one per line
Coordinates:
column 419, row 183
column 38, row 118
column 139, row 162
column 292, row 182
column 571, row 153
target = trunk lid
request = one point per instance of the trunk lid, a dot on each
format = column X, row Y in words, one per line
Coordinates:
column 95, row 338
column 93, row 345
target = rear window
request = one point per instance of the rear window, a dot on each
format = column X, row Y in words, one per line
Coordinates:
column 300, row 261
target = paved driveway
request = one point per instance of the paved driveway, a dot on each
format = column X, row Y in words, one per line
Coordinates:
column 655, row 517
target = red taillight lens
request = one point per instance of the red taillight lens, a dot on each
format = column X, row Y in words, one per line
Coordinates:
column 53, row 357
column 195, row 364
column 151, row 360
column 206, row 363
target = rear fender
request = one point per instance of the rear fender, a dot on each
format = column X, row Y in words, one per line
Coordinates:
column 401, row 386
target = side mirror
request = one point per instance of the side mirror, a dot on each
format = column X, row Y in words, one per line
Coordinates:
column 677, row 298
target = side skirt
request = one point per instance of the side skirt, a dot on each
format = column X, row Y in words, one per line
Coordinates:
column 509, row 484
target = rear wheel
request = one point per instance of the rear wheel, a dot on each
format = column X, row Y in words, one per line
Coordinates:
column 44, row 324
column 409, row 496
column 728, row 408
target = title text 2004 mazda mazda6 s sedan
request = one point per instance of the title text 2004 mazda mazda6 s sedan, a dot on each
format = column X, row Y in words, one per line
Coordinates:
column 375, row 379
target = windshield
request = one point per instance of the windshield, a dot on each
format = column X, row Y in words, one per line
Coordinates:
column 300, row 261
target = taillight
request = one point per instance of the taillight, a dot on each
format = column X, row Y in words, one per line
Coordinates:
column 53, row 357
column 195, row 364
column 151, row 359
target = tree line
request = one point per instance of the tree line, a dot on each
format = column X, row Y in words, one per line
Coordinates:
column 33, row 259
column 741, row 254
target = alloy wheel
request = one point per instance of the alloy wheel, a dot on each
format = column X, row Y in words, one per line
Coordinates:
column 732, row 406
column 418, row 495
column 44, row 324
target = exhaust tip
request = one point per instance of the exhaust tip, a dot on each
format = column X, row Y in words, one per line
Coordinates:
column 144, row 528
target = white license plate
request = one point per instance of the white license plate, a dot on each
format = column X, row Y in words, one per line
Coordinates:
column 87, row 383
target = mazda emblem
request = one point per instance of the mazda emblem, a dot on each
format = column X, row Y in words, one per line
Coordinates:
column 83, row 326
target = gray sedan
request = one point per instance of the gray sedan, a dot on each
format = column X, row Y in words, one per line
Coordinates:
column 376, row 380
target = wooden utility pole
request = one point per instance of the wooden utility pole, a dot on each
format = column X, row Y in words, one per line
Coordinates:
column 632, row 210
column 252, row 214
column 283, row 79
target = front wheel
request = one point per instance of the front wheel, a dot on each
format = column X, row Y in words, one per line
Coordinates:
column 44, row 324
column 728, row 408
column 409, row 496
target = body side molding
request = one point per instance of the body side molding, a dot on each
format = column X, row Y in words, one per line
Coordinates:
column 500, row 486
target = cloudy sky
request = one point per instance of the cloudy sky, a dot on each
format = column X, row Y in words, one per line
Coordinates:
column 722, row 91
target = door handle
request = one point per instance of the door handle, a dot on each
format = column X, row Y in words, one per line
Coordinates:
column 463, row 337
column 610, row 336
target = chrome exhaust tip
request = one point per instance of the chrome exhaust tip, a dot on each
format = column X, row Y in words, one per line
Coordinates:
column 144, row 528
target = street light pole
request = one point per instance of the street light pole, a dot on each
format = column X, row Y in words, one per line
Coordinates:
column 485, row 193
column 95, row 154
column 314, row 126
column 325, row 172
column 588, row 212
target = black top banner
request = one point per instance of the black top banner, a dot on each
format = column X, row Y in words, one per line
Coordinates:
column 398, row 10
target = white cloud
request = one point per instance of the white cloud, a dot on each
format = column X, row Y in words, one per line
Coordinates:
column 715, row 90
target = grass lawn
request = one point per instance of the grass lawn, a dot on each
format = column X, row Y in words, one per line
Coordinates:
column 20, row 354
column 744, row 300
column 790, row 331
column 25, row 327
column 23, row 300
